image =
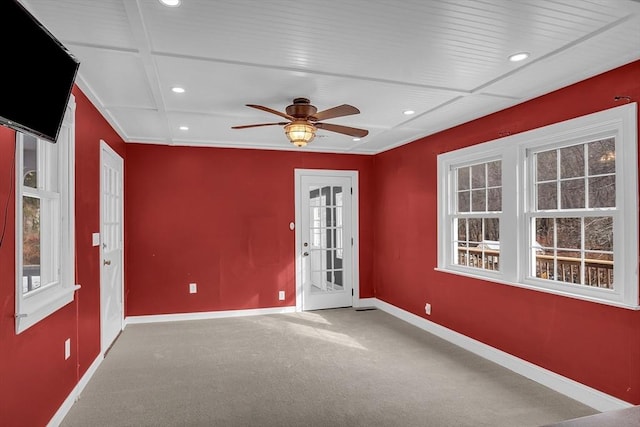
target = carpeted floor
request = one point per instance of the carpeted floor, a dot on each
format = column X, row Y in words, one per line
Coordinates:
column 325, row 368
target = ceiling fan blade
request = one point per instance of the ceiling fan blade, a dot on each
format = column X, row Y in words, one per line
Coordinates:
column 272, row 111
column 259, row 124
column 359, row 133
column 339, row 111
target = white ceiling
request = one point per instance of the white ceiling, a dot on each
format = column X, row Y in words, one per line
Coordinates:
column 445, row 59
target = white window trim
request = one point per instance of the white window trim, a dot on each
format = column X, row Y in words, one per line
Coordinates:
column 32, row 308
column 620, row 122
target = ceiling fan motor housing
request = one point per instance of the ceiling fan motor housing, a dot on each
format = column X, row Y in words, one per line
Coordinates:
column 301, row 108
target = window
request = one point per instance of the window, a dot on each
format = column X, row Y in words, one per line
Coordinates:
column 44, row 224
column 572, row 215
column 476, row 217
column 553, row 209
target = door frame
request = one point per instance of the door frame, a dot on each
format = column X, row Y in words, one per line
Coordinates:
column 106, row 148
column 355, row 273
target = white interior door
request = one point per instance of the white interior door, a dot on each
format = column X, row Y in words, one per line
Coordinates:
column 325, row 239
column 111, row 246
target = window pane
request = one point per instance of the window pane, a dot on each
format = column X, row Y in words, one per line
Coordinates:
column 572, row 194
column 572, row 161
column 477, row 243
column 569, row 233
column 51, row 179
column 463, row 178
column 462, row 229
column 30, row 161
column 547, row 196
column 464, row 201
column 494, row 174
column 478, row 176
column 475, row 230
column 599, row 270
column 602, row 157
column 545, row 231
column 30, row 244
column 569, row 267
column 546, row 165
column 494, row 196
column 478, row 200
column 492, row 229
column 602, row 192
column 598, row 233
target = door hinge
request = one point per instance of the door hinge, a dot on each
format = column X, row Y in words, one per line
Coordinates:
column 352, row 292
column 351, row 190
column 352, row 241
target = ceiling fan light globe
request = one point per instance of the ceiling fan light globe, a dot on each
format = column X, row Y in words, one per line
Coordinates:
column 300, row 133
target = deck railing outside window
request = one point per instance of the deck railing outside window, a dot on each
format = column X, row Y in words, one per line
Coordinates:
column 597, row 273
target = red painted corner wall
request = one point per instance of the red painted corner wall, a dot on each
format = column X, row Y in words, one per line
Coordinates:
column 594, row 344
column 35, row 379
column 220, row 218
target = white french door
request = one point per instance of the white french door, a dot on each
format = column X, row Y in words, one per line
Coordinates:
column 111, row 246
column 325, row 243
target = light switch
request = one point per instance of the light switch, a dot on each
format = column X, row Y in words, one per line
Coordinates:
column 95, row 239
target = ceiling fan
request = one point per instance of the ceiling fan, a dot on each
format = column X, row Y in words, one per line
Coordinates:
column 305, row 119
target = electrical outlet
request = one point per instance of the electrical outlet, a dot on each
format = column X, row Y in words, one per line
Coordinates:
column 427, row 308
column 193, row 288
column 281, row 295
column 67, row 348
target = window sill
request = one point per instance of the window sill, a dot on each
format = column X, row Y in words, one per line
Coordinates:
column 30, row 314
column 540, row 289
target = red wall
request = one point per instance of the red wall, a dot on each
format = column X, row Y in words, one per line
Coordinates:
column 34, row 377
column 594, row 344
column 220, row 218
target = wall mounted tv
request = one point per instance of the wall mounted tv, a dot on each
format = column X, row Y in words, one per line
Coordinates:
column 37, row 74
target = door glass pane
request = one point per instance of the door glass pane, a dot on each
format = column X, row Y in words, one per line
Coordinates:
column 326, row 237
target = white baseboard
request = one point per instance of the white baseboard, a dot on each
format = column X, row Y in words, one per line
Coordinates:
column 364, row 302
column 129, row 320
column 63, row 410
column 573, row 389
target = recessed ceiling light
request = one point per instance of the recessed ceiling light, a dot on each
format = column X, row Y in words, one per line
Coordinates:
column 408, row 112
column 356, row 139
column 171, row 3
column 184, row 127
column 520, row 56
column 178, row 89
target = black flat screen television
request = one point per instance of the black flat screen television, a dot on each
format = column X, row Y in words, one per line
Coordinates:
column 37, row 74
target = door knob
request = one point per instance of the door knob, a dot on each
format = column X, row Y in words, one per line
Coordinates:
column 305, row 254
column 107, row 262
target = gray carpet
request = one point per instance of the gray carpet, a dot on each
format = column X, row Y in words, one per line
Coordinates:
column 325, row 368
